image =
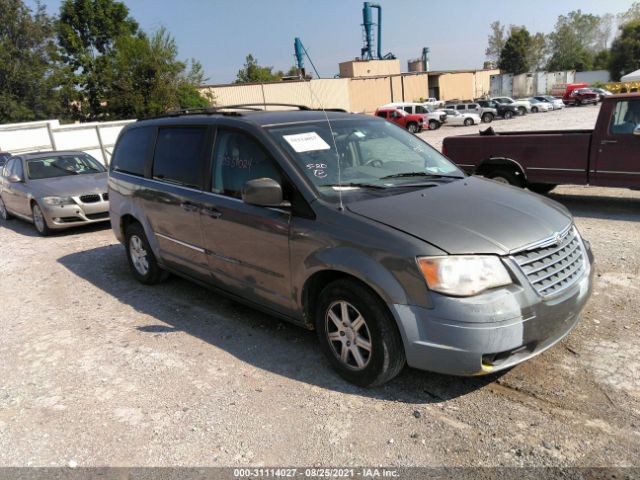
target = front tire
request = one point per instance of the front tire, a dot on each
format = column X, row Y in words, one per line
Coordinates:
column 433, row 125
column 487, row 118
column 357, row 334
column 40, row 221
column 142, row 262
column 468, row 122
column 534, row 109
column 508, row 115
column 412, row 127
column 522, row 111
column 4, row 213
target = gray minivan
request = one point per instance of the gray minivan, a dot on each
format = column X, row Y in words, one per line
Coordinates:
column 351, row 226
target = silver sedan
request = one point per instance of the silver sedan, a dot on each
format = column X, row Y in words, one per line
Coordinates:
column 54, row 190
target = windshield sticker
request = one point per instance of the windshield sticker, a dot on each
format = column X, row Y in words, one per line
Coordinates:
column 318, row 169
column 306, row 142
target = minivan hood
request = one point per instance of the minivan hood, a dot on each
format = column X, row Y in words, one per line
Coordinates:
column 71, row 185
column 468, row 216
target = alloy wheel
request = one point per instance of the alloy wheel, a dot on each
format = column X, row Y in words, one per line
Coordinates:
column 348, row 335
column 138, row 255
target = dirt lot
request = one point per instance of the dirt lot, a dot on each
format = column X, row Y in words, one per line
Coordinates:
column 97, row 369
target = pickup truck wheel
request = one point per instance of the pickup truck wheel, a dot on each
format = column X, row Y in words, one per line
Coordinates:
column 433, row 125
column 468, row 122
column 487, row 118
column 4, row 213
column 541, row 187
column 412, row 127
column 142, row 261
column 358, row 334
column 578, row 103
column 506, row 177
column 508, row 115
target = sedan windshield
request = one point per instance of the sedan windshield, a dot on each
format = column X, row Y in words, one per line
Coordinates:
column 63, row 165
column 374, row 155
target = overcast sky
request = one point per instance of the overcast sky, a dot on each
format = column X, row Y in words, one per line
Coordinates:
column 220, row 33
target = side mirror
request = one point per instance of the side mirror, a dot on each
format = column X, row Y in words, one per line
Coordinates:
column 263, row 192
column 14, row 178
column 636, row 131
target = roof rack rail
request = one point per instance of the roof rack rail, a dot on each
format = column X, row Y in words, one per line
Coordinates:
column 252, row 106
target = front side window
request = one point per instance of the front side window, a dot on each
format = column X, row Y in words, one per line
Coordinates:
column 407, row 109
column 382, row 114
column 6, row 171
column 62, row 166
column 178, row 156
column 239, row 158
column 625, row 118
column 370, row 155
column 130, row 155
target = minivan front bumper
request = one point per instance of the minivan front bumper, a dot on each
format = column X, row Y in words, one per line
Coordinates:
column 491, row 331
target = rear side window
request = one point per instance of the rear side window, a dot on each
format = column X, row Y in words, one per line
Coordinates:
column 461, row 107
column 408, row 109
column 131, row 152
column 178, row 156
column 382, row 114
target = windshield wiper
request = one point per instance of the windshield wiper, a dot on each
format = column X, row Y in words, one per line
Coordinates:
column 419, row 174
column 356, row 184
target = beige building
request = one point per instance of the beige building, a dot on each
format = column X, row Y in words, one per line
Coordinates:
column 360, row 93
column 369, row 68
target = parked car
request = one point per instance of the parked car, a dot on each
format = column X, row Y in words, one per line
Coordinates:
column 601, row 92
column 351, row 226
column 539, row 106
column 454, row 117
column 487, row 114
column 523, row 106
column 412, row 122
column 606, row 156
column 581, row 96
column 555, row 103
column 504, row 110
column 4, row 156
column 54, row 190
column 434, row 118
column 434, row 103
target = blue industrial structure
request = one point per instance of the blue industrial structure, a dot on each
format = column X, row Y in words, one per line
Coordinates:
column 300, row 52
column 367, row 23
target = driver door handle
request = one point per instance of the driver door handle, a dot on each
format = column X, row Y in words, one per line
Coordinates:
column 211, row 212
column 189, row 206
column 608, row 142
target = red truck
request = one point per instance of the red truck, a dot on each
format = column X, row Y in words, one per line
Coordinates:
column 575, row 93
column 412, row 122
column 607, row 156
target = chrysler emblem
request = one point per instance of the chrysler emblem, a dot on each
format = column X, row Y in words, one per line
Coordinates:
column 558, row 239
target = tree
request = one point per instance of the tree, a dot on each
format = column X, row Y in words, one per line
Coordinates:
column 625, row 51
column 632, row 14
column 514, row 55
column 145, row 78
column 495, row 42
column 87, row 33
column 568, row 51
column 29, row 69
column 537, row 52
column 254, row 73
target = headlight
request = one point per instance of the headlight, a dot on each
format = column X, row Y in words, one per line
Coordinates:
column 58, row 201
column 463, row 275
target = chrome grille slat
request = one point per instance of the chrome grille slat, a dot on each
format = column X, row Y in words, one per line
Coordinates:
column 553, row 268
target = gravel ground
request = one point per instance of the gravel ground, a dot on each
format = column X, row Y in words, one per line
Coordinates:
column 99, row 370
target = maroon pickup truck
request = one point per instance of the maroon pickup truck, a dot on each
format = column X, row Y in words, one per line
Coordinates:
column 607, row 156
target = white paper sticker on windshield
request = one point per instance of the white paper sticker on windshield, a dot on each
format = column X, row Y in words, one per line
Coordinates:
column 306, row 142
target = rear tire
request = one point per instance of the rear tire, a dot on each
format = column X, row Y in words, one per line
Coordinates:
column 508, row 115
column 40, row 221
column 522, row 111
column 505, row 176
column 4, row 213
column 468, row 122
column 487, row 118
column 358, row 334
column 534, row 109
column 541, row 188
column 142, row 262
column 412, row 127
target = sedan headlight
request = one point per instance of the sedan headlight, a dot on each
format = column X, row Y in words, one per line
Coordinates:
column 58, row 201
column 463, row 275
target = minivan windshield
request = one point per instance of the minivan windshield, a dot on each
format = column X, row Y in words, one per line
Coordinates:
column 374, row 154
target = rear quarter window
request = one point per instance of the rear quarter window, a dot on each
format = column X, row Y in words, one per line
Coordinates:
column 131, row 151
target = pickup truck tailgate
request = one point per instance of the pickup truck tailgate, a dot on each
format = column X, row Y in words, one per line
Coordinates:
column 545, row 157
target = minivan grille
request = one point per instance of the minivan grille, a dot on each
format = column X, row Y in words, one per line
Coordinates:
column 552, row 269
column 93, row 198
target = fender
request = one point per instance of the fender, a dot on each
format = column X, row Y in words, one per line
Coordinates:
column 500, row 161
